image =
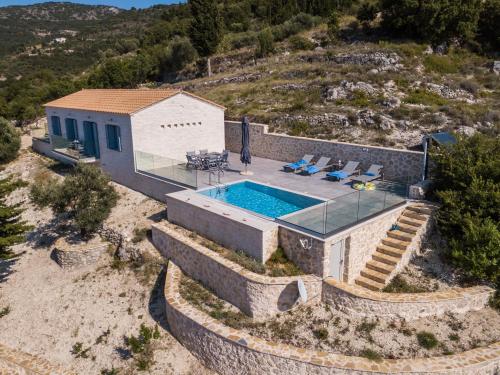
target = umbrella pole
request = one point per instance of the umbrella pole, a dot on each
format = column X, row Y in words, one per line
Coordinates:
column 246, row 172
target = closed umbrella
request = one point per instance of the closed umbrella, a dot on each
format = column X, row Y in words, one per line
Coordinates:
column 245, row 156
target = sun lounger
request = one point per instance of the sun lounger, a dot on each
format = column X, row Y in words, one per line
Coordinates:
column 320, row 165
column 373, row 173
column 349, row 169
column 298, row 165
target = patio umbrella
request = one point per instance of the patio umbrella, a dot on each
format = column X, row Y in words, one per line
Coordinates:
column 245, row 156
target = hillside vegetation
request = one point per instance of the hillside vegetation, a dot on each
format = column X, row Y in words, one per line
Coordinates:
column 332, row 69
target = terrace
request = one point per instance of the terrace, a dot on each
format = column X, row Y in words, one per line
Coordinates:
column 343, row 206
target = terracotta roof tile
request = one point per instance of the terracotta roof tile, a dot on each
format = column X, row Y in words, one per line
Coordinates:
column 120, row 101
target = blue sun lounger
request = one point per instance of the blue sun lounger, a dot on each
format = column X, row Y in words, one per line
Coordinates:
column 298, row 165
column 320, row 165
column 349, row 169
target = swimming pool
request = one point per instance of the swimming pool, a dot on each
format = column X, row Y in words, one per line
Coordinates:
column 261, row 199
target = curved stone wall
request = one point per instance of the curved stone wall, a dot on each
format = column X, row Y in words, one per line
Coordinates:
column 363, row 302
column 229, row 351
column 71, row 256
column 256, row 295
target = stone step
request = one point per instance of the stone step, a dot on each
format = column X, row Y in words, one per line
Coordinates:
column 400, row 235
column 422, row 210
column 374, row 275
column 398, row 244
column 385, row 258
column 414, row 215
column 379, row 266
column 392, row 251
column 407, row 228
column 410, row 221
column 368, row 283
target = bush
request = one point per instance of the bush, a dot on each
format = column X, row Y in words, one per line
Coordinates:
column 300, row 43
column 367, row 12
column 441, row 64
column 333, row 25
column 10, row 142
column 86, row 196
column 321, row 333
column 177, row 55
column 427, row 340
column 425, row 97
column 265, row 43
column 371, row 355
column 488, row 30
column 467, row 183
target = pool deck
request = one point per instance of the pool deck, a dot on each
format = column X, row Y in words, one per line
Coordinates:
column 271, row 172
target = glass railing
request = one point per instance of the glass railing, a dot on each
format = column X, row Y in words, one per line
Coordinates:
column 166, row 168
column 73, row 149
column 347, row 210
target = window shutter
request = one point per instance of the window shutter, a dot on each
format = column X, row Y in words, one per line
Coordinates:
column 56, row 126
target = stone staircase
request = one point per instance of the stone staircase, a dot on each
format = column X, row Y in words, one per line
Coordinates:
column 389, row 253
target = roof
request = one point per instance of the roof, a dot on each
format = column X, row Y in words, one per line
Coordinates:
column 118, row 101
column 443, row 138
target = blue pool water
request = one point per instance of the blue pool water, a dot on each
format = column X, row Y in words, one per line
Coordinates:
column 264, row 200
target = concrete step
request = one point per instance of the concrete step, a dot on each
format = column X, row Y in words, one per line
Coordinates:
column 407, row 228
column 400, row 235
column 420, row 209
column 398, row 244
column 385, row 258
column 390, row 250
column 414, row 215
column 368, row 283
column 379, row 266
column 374, row 275
column 410, row 221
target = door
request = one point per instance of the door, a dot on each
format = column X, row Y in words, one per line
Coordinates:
column 91, row 139
column 337, row 260
column 71, row 129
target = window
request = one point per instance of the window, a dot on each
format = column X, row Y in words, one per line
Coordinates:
column 56, row 125
column 113, row 137
column 71, row 129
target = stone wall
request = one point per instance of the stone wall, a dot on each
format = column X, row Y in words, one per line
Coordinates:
column 397, row 163
column 229, row 226
column 231, row 352
column 355, row 300
column 71, row 256
column 256, row 295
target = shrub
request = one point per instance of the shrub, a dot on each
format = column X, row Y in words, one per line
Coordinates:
column 177, row 55
column 333, row 25
column 427, row 340
column 425, row 97
column 140, row 234
column 469, row 86
column 300, row 43
column 298, row 128
column 467, row 184
column 367, row 12
column 265, row 43
column 371, row 355
column 321, row 333
column 488, row 30
column 141, row 346
column 441, row 64
column 86, row 196
column 399, row 285
column 10, row 142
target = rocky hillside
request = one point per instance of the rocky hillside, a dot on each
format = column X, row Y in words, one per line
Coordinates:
column 381, row 93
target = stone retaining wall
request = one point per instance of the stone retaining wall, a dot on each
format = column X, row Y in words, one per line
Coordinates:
column 397, row 163
column 78, row 256
column 14, row 361
column 355, row 300
column 232, row 352
column 256, row 295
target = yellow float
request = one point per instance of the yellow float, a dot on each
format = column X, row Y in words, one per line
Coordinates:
column 364, row 187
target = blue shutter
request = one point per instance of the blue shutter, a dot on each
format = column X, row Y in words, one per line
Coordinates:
column 113, row 137
column 56, row 125
column 71, row 129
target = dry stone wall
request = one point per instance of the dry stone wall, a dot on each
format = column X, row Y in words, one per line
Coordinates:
column 359, row 301
column 256, row 295
column 71, row 256
column 397, row 163
column 231, row 352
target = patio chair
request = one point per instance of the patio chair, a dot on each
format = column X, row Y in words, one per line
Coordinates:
column 204, row 151
column 349, row 169
column 298, row 165
column 320, row 165
column 373, row 173
column 224, row 160
column 193, row 161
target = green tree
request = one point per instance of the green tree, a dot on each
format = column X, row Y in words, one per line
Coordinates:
column 333, row 25
column 265, row 41
column 177, row 55
column 85, row 196
column 206, row 27
column 436, row 21
column 467, row 181
column 10, row 142
column 489, row 25
column 12, row 228
column 367, row 12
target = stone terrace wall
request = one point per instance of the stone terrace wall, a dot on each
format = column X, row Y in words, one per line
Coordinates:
column 359, row 301
column 68, row 256
column 231, row 352
column 397, row 163
column 256, row 295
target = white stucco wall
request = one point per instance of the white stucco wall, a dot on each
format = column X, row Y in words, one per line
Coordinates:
column 179, row 124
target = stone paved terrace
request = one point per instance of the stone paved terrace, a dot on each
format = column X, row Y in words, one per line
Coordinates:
column 271, row 172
